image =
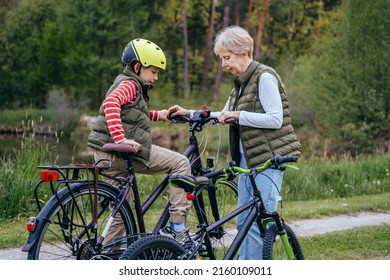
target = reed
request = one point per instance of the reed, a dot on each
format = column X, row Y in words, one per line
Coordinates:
column 19, row 174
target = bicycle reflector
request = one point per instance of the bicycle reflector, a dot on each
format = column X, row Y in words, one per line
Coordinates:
column 49, row 176
column 190, row 196
column 31, row 224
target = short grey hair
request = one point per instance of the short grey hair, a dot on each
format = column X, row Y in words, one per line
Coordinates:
column 234, row 39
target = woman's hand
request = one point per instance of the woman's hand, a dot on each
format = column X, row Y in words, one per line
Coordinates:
column 226, row 117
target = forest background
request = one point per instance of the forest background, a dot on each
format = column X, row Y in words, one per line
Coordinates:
column 332, row 55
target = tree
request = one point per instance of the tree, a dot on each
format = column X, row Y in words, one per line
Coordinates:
column 185, row 49
column 248, row 15
column 20, row 43
column 218, row 76
column 208, row 49
column 262, row 19
column 345, row 78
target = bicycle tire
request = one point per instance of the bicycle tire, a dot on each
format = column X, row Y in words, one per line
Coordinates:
column 226, row 195
column 153, row 247
column 273, row 248
column 63, row 239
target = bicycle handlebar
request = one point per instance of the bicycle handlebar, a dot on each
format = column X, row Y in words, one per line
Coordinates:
column 197, row 121
column 277, row 162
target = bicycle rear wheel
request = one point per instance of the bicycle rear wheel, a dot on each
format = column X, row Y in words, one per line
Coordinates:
column 273, row 248
column 67, row 232
column 226, row 193
column 153, row 247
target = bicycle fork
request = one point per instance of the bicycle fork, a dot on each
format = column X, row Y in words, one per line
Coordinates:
column 273, row 217
column 268, row 217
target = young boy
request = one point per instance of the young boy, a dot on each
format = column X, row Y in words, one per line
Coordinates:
column 124, row 117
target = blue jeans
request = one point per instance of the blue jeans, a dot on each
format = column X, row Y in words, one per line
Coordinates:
column 251, row 248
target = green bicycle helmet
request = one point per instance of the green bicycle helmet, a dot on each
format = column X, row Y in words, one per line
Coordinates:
column 144, row 51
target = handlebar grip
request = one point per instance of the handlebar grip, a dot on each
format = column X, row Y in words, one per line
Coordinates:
column 278, row 160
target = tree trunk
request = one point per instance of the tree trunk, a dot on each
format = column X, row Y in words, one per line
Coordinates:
column 237, row 11
column 185, row 50
column 209, row 45
column 218, row 76
column 262, row 19
column 248, row 15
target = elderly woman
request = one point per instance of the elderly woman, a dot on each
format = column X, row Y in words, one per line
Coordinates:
column 258, row 103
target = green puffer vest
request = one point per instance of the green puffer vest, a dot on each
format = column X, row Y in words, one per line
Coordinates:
column 135, row 120
column 260, row 144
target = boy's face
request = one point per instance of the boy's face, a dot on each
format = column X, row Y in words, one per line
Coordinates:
column 149, row 74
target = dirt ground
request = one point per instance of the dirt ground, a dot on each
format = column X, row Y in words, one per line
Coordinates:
column 301, row 228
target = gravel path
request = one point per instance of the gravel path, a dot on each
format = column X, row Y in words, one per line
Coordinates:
column 301, row 228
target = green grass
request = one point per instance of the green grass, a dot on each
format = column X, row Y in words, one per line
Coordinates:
column 337, row 178
column 371, row 243
column 296, row 210
column 17, row 117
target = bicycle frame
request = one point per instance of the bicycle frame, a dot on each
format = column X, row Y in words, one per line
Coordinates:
column 192, row 153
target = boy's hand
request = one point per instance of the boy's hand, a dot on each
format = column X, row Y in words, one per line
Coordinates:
column 137, row 146
column 163, row 115
column 176, row 110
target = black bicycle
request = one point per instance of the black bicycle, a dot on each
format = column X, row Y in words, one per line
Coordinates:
column 279, row 240
column 74, row 222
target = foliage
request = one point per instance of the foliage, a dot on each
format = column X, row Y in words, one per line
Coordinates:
column 344, row 79
column 77, row 44
column 332, row 56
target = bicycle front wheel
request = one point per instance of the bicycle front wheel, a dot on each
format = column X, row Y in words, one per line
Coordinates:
column 273, row 248
column 215, row 203
column 68, row 232
column 153, row 247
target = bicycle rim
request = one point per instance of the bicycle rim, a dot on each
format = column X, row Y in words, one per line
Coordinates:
column 221, row 238
column 273, row 248
column 66, row 234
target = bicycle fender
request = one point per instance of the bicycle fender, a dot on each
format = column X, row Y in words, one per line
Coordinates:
column 40, row 219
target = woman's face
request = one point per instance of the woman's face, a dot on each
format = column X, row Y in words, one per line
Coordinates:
column 234, row 63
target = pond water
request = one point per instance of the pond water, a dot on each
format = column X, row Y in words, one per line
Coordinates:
column 66, row 150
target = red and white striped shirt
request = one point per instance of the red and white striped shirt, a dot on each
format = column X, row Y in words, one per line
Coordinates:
column 125, row 93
